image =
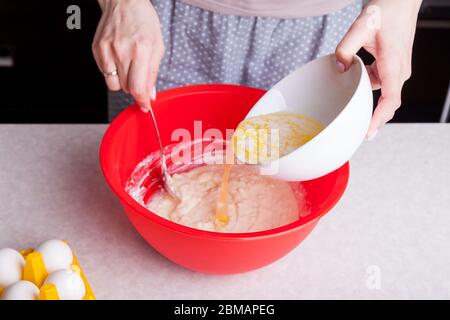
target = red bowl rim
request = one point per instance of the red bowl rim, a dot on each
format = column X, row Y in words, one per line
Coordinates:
column 336, row 193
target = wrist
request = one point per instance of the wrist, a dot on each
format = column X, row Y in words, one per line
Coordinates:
column 418, row 4
column 105, row 3
column 415, row 8
column 102, row 4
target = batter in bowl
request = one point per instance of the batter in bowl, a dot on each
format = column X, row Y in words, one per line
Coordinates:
column 255, row 202
column 236, row 197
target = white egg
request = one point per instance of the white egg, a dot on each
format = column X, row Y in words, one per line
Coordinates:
column 11, row 267
column 69, row 284
column 21, row 290
column 56, row 254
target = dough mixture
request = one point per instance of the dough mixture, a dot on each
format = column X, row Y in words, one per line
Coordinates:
column 255, row 202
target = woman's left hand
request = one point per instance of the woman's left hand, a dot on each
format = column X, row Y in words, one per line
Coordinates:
column 386, row 30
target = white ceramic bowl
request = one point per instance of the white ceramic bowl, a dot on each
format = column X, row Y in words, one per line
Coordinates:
column 342, row 102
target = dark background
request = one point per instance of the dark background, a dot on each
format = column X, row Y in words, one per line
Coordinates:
column 54, row 78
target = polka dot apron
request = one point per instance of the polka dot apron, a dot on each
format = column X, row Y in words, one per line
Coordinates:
column 208, row 47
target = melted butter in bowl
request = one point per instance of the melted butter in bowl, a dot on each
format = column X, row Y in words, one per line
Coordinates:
column 267, row 137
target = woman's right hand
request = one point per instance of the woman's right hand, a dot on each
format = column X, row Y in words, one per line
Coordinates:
column 128, row 40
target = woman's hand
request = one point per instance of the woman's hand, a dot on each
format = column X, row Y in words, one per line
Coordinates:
column 386, row 30
column 128, row 47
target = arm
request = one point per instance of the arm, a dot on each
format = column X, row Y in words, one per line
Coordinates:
column 128, row 39
column 386, row 30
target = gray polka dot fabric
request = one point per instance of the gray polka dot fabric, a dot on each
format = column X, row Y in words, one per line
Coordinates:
column 208, row 47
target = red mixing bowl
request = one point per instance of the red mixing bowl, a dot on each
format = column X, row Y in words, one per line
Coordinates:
column 130, row 138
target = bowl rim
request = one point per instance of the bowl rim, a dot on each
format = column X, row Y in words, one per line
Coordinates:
column 336, row 193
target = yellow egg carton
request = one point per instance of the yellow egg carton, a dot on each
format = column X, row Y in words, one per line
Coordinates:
column 34, row 271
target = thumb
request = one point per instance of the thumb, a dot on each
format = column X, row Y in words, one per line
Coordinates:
column 354, row 39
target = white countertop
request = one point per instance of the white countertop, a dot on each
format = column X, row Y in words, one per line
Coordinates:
column 392, row 224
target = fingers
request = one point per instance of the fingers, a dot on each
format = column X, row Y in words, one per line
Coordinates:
column 128, row 42
column 143, row 73
column 122, row 56
column 155, row 60
column 138, row 76
column 105, row 61
column 387, row 34
column 372, row 71
column 137, row 67
column 391, row 87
